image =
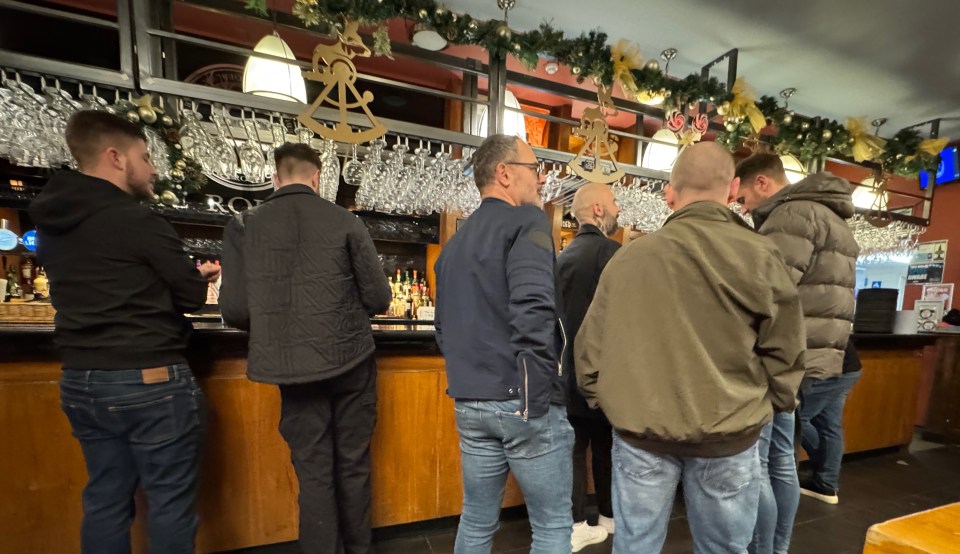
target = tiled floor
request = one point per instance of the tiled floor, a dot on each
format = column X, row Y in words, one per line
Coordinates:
column 874, row 489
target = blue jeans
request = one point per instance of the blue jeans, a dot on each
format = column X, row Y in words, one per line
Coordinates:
column 720, row 495
column 135, row 433
column 494, row 440
column 821, row 420
column 779, row 487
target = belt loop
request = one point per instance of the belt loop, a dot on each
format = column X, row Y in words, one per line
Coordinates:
column 176, row 372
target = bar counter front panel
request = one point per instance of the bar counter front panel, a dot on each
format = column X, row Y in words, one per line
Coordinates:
column 248, row 489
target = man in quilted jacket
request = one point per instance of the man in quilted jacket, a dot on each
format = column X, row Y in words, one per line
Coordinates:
column 807, row 222
column 302, row 275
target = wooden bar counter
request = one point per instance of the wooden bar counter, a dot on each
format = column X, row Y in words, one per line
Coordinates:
column 248, row 488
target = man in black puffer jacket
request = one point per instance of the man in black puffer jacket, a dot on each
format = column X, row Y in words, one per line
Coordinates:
column 302, row 275
column 578, row 273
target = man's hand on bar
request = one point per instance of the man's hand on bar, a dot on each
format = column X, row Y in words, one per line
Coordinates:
column 209, row 271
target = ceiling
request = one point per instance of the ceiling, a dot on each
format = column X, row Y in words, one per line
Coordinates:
column 878, row 58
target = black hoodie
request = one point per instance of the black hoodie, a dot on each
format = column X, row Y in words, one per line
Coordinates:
column 119, row 278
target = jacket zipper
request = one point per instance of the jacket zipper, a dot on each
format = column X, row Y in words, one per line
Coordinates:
column 563, row 335
column 526, row 391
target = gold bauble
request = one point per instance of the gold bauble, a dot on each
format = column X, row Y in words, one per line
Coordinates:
column 723, row 109
column 167, row 121
column 147, row 115
column 133, row 116
column 516, row 47
column 180, row 164
column 176, row 175
column 804, row 126
column 169, row 198
column 787, row 119
column 504, row 32
column 730, row 126
column 440, row 11
column 653, row 65
column 827, row 134
column 422, row 14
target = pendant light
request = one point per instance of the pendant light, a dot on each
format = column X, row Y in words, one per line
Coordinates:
column 793, row 168
column 869, row 196
column 513, row 122
column 271, row 77
column 661, row 155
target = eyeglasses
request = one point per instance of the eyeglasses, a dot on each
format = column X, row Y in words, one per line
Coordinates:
column 538, row 167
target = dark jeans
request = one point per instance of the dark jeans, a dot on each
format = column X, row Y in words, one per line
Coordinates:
column 328, row 425
column 135, row 433
column 596, row 434
column 821, row 420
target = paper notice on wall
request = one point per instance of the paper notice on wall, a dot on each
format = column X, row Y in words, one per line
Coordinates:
column 942, row 292
column 928, row 263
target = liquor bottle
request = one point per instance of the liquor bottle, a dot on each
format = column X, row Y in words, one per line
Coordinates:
column 13, row 283
column 26, row 281
column 41, row 287
column 408, row 314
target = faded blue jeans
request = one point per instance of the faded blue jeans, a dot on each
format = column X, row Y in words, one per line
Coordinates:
column 494, row 440
column 821, row 419
column 720, row 495
column 779, row 487
column 134, row 433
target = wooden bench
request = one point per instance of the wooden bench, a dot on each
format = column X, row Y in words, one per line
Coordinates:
column 935, row 531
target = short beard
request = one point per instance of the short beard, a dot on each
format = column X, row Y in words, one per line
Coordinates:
column 138, row 192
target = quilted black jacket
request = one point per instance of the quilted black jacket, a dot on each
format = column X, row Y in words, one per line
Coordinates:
column 302, row 276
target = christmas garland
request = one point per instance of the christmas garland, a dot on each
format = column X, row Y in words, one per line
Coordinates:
column 589, row 56
column 185, row 175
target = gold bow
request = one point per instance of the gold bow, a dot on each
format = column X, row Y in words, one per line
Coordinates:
column 689, row 137
column 626, row 57
column 929, row 148
column 744, row 105
column 865, row 146
column 146, row 102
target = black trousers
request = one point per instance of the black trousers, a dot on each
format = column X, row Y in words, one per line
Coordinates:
column 597, row 434
column 328, row 426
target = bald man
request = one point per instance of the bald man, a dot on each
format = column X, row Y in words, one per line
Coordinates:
column 578, row 272
column 693, row 339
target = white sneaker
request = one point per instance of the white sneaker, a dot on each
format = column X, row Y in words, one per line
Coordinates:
column 606, row 523
column 584, row 535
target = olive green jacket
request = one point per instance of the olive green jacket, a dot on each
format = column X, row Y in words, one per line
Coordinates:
column 694, row 337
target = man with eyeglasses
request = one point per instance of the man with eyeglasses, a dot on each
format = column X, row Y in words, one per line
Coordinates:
column 498, row 327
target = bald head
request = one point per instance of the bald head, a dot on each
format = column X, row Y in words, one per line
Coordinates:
column 594, row 204
column 703, row 171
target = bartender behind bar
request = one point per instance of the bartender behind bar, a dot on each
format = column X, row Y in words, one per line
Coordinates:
column 121, row 284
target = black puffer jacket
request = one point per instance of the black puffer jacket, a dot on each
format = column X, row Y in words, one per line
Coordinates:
column 302, row 275
column 578, row 272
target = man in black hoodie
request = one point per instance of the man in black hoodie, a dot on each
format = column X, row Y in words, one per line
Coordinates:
column 120, row 283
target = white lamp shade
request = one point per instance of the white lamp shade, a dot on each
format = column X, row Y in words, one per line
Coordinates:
column 274, row 78
column 866, row 196
column 793, row 168
column 427, row 38
column 661, row 157
column 513, row 123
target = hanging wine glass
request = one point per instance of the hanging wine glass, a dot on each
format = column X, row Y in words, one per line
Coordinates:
column 353, row 168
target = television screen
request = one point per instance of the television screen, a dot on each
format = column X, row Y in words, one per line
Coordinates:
column 948, row 170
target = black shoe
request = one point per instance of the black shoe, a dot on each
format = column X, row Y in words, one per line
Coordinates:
column 813, row 490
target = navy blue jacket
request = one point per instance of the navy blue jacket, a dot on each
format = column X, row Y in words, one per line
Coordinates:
column 496, row 314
